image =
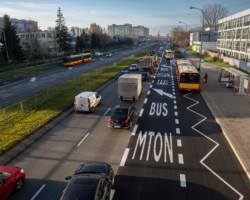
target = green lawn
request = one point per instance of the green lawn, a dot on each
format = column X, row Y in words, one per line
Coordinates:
column 21, row 126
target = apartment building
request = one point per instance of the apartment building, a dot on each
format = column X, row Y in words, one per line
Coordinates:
column 22, row 25
column 140, row 32
column 234, row 38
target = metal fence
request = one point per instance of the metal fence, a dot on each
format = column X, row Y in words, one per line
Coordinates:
column 31, row 102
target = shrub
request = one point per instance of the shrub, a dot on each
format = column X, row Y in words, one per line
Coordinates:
column 213, row 51
column 221, row 60
column 227, row 63
column 215, row 58
column 206, row 54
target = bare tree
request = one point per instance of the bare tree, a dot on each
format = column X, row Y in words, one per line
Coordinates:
column 212, row 13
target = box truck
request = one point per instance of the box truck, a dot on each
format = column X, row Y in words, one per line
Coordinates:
column 129, row 87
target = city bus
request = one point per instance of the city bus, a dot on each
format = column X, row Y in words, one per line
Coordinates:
column 76, row 59
column 188, row 77
column 169, row 54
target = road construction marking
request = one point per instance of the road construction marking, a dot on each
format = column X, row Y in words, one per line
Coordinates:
column 179, row 144
column 124, row 157
column 213, row 149
column 141, row 112
column 180, row 158
column 106, row 111
column 83, row 139
column 178, row 131
column 183, row 180
column 37, row 193
column 135, row 129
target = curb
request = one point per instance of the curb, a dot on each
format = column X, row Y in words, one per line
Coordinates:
column 18, row 149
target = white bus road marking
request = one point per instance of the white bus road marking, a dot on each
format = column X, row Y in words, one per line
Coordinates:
column 212, row 150
column 179, row 144
column 106, row 111
column 83, row 139
column 183, row 180
column 178, row 131
column 37, row 193
column 135, row 129
column 145, row 101
column 124, row 157
column 180, row 158
column 141, row 112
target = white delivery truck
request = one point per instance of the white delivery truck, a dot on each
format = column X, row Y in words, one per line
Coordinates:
column 129, row 87
column 87, row 101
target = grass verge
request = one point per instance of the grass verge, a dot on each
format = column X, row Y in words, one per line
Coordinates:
column 20, row 127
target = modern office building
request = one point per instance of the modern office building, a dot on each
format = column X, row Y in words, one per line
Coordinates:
column 22, row 25
column 234, row 39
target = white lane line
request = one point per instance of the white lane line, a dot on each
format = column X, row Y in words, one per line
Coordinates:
column 173, row 93
column 83, row 139
column 178, row 131
column 37, row 193
column 175, row 107
column 148, row 92
column 135, row 129
column 173, row 86
column 141, row 112
column 176, row 113
column 124, row 157
column 106, row 111
column 180, row 158
column 174, row 102
column 212, row 150
column 112, row 194
column 179, row 144
column 150, row 86
column 145, row 101
column 177, row 121
column 183, row 180
column 153, row 81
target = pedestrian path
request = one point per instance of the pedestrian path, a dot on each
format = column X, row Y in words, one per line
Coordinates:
column 231, row 112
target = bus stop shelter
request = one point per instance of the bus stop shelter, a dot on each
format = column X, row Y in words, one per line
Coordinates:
column 236, row 79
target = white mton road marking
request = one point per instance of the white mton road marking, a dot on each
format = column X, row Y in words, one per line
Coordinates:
column 106, row 112
column 212, row 150
column 83, row 139
column 179, row 143
column 183, row 180
column 180, row 158
column 135, row 129
column 141, row 112
column 37, row 193
column 124, row 157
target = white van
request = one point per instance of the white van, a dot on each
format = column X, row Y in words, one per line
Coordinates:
column 87, row 101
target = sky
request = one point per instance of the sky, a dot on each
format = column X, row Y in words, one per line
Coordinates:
column 157, row 15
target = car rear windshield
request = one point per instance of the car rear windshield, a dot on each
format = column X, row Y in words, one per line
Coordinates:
column 120, row 112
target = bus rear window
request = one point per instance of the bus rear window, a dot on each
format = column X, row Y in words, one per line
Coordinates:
column 189, row 78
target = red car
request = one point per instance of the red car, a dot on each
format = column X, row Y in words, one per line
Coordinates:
column 11, row 179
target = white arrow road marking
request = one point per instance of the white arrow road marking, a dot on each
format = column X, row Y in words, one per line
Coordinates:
column 212, row 150
column 160, row 92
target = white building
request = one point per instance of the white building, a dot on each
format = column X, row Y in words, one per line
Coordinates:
column 234, row 39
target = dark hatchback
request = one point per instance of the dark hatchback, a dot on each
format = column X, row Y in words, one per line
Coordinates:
column 122, row 117
column 145, row 76
column 92, row 181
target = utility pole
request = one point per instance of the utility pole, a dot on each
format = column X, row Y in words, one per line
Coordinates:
column 6, row 49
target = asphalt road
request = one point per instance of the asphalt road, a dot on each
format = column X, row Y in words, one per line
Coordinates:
column 174, row 151
column 20, row 88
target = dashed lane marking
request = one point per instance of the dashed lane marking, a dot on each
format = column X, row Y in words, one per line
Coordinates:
column 135, row 129
column 183, row 180
column 179, row 144
column 124, row 157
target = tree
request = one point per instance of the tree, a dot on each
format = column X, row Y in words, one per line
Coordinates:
column 82, row 41
column 62, row 35
column 11, row 47
column 212, row 13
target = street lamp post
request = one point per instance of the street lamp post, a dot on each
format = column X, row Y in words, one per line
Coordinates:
column 203, row 14
column 6, row 49
column 185, row 33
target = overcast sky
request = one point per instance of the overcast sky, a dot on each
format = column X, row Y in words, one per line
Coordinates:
column 158, row 16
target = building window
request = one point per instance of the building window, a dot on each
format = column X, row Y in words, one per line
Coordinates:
column 43, row 35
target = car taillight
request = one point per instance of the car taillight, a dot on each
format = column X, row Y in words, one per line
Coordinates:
column 111, row 121
column 89, row 103
column 74, row 102
column 125, row 122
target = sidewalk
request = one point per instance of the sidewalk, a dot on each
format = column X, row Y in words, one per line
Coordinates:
column 232, row 113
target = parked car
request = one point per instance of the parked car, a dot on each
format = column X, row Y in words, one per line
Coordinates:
column 87, row 101
column 122, row 117
column 91, row 181
column 109, row 55
column 11, row 179
column 133, row 67
column 145, row 76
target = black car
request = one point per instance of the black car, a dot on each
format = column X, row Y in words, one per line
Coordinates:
column 92, row 181
column 122, row 117
column 145, row 76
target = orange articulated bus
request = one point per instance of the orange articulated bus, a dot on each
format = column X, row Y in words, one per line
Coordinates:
column 76, row 59
column 188, row 77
